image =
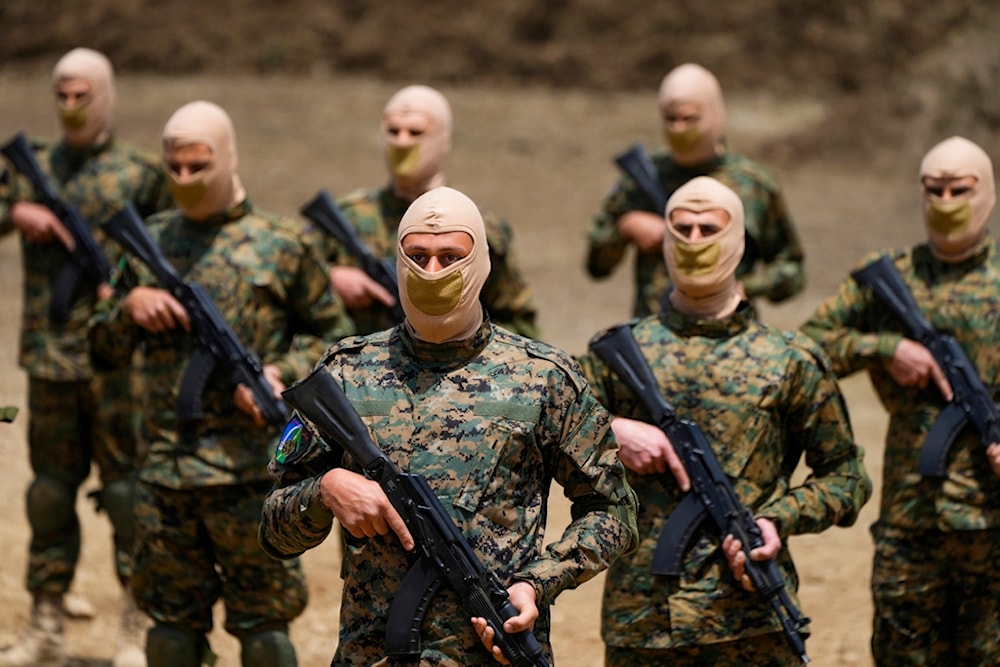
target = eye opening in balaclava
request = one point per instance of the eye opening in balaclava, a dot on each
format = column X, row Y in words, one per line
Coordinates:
column 444, row 305
column 417, row 162
column 90, row 123
column 691, row 86
column 955, row 228
column 703, row 272
column 216, row 187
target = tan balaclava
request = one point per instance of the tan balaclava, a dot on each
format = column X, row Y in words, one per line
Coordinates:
column 443, row 306
column 417, row 164
column 693, row 84
column 704, row 272
column 216, row 187
column 955, row 228
column 88, row 124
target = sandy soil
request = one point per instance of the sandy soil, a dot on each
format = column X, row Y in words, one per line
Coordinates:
column 542, row 159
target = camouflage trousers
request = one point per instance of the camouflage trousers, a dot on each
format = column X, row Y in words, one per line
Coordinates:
column 72, row 425
column 198, row 545
column 768, row 650
column 937, row 597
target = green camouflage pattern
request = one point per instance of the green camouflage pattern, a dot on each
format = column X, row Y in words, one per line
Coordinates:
column 768, row 650
column 933, row 583
column 773, row 262
column 76, row 415
column 375, row 215
column 96, row 182
column 200, row 545
column 490, row 422
column 861, row 334
column 271, row 287
column 762, row 399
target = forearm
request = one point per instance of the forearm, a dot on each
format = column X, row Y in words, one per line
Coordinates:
column 294, row 519
column 775, row 281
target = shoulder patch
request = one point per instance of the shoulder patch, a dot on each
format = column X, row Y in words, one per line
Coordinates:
column 295, row 441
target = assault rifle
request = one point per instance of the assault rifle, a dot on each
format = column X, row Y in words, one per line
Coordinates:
column 636, row 165
column 323, row 210
column 971, row 402
column 215, row 341
column 444, row 555
column 711, row 494
column 88, row 265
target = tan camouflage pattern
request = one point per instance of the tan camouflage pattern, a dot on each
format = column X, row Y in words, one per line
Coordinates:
column 768, row 650
column 932, row 521
column 763, row 400
column 272, row 289
column 490, row 422
column 772, row 265
column 375, row 215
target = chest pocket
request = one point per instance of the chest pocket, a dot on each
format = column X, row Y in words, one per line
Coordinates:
column 505, row 476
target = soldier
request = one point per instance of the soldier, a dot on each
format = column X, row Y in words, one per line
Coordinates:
column 937, row 600
column 489, row 418
column 762, row 399
column 76, row 416
column 694, row 116
column 416, row 129
column 202, row 481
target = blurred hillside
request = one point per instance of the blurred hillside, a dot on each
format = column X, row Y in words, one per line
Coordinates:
column 929, row 67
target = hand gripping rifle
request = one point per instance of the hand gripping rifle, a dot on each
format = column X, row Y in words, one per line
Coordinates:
column 215, row 341
column 636, row 165
column 971, row 402
column 711, row 494
column 444, row 553
column 88, row 265
column 323, row 210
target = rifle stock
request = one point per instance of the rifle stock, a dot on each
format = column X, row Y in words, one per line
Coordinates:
column 215, row 340
column 88, row 265
column 323, row 210
column 711, row 494
column 971, row 401
column 444, row 555
column 635, row 163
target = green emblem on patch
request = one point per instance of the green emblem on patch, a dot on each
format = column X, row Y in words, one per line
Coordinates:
column 293, row 441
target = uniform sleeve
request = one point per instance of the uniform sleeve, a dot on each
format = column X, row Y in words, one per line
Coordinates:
column 319, row 317
column 603, row 510
column 506, row 294
column 840, row 327
column 294, row 518
column 605, row 246
column 838, row 485
column 780, row 272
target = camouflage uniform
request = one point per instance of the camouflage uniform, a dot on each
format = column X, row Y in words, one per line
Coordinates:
column 772, row 265
column 490, row 422
column 202, row 482
column 937, row 600
column 375, row 215
column 762, row 399
column 76, row 416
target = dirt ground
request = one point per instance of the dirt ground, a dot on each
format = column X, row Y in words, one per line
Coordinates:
column 543, row 159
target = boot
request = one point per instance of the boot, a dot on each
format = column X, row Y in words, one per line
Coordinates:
column 131, row 650
column 43, row 644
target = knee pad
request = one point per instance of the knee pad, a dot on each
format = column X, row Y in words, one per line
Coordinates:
column 117, row 499
column 51, row 505
column 172, row 647
column 271, row 648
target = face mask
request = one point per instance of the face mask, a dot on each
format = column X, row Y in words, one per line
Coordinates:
column 683, row 142
column 73, row 119
column 403, row 161
column 435, row 296
column 187, row 195
column 696, row 261
column 948, row 217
